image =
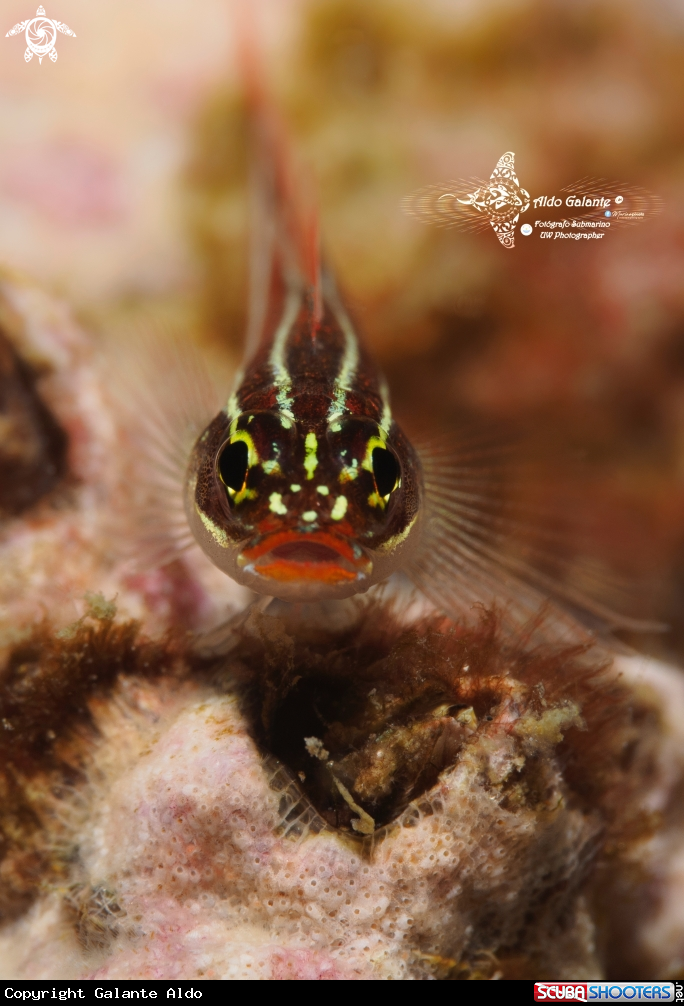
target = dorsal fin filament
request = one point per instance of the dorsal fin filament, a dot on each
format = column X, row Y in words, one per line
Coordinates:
column 285, row 224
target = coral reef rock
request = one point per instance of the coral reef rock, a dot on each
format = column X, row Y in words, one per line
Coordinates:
column 352, row 791
column 478, row 809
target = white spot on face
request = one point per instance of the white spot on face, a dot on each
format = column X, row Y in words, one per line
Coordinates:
column 310, row 459
column 349, row 472
column 339, row 509
column 276, row 505
column 295, row 488
column 271, row 467
column 323, row 490
column 309, row 515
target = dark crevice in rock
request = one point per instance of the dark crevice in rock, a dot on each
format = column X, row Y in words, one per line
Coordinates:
column 368, row 717
column 33, row 446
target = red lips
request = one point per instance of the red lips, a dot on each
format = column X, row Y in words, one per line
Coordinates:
column 289, row 556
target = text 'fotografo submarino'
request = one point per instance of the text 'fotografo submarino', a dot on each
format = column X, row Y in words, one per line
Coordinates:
column 476, row 205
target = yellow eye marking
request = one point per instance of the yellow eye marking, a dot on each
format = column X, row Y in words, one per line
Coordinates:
column 323, row 490
column 243, row 494
column 309, row 515
column 339, row 509
column 216, row 532
column 310, row 459
column 276, row 505
column 236, row 434
column 295, row 488
column 271, row 467
column 373, row 442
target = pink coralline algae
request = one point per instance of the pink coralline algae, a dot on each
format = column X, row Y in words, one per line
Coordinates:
column 73, row 184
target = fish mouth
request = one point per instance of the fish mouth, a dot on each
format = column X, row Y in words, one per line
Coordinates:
column 313, row 558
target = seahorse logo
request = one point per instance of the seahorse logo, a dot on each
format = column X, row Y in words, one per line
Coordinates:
column 41, row 35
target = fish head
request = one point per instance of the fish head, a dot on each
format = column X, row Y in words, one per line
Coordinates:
column 303, row 510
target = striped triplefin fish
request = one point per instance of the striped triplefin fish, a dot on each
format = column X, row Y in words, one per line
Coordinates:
column 301, row 485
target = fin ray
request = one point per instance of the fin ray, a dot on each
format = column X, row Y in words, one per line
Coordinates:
column 164, row 396
column 479, row 549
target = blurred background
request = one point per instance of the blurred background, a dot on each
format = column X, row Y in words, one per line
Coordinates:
column 122, row 189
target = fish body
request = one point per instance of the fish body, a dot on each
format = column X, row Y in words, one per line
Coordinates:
column 303, row 486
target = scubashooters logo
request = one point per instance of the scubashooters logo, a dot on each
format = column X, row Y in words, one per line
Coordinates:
column 585, row 210
column 605, row 991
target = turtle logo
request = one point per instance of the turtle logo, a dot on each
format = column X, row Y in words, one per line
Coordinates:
column 41, row 35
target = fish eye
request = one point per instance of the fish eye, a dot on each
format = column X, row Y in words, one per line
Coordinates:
column 385, row 471
column 232, row 465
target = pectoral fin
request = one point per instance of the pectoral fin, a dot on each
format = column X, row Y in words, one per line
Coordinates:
column 164, row 396
column 478, row 551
